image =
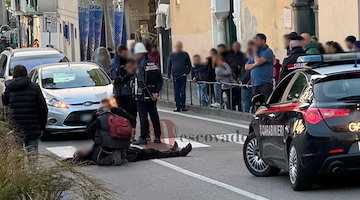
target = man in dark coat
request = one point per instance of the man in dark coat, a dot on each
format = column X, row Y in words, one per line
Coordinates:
column 290, row 62
column 27, row 107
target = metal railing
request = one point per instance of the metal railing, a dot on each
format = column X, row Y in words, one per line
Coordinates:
column 193, row 96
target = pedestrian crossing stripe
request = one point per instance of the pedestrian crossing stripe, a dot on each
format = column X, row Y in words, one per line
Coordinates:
column 63, row 152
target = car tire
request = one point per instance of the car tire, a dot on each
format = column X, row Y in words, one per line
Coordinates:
column 299, row 180
column 253, row 161
column 46, row 136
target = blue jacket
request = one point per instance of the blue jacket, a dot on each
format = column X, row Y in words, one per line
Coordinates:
column 123, row 81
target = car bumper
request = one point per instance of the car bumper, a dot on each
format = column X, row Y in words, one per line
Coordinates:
column 68, row 120
column 341, row 163
column 321, row 155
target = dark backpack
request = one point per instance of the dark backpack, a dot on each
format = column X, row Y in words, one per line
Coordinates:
column 120, row 128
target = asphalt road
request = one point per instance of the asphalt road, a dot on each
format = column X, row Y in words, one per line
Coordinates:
column 215, row 170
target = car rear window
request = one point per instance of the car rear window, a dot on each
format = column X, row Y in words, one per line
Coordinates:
column 338, row 88
column 30, row 62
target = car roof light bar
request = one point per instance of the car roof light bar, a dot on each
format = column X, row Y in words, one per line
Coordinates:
column 330, row 58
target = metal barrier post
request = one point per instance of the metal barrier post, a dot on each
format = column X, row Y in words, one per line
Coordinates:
column 209, row 88
column 167, row 90
column 191, row 101
column 231, row 97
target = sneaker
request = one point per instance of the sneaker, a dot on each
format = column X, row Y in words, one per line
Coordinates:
column 185, row 151
column 157, row 141
column 140, row 142
column 215, row 105
column 177, row 110
column 184, row 109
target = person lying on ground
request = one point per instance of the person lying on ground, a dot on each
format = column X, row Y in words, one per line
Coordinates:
column 111, row 151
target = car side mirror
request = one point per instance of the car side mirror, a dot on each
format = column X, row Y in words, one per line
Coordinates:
column 259, row 100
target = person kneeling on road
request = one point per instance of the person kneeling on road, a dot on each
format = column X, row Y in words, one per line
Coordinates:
column 111, row 151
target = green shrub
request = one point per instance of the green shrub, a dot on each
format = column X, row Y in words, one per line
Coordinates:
column 47, row 179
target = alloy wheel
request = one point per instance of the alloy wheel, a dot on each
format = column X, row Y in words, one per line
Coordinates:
column 253, row 156
column 293, row 169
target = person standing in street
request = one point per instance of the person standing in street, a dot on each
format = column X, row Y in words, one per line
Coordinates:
column 3, row 44
column 200, row 72
column 119, row 61
column 149, row 84
column 154, row 55
column 179, row 66
column 103, row 59
column 290, row 62
column 309, row 46
column 350, row 42
column 261, row 65
column 27, row 107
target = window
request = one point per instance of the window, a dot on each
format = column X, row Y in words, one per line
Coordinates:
column 279, row 91
column 297, row 88
column 64, row 78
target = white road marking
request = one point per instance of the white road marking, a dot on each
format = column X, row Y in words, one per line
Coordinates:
column 209, row 180
column 205, row 119
column 231, row 137
column 66, row 151
column 183, row 142
column 63, row 152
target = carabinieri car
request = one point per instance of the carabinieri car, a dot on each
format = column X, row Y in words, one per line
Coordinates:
column 310, row 124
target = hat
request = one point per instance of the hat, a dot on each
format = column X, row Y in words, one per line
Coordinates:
column 140, row 48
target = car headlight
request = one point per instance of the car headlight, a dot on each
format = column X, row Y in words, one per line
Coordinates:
column 56, row 103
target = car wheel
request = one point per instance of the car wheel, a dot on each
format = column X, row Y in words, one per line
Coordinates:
column 253, row 161
column 46, row 136
column 300, row 181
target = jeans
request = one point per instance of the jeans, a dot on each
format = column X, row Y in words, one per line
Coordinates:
column 32, row 146
column 203, row 95
column 179, row 91
column 246, row 95
column 217, row 92
column 149, row 108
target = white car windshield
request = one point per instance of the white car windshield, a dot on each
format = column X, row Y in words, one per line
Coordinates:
column 64, row 78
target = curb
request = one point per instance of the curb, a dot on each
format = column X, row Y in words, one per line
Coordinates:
column 210, row 111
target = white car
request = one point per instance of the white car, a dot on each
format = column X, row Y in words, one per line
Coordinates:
column 6, row 30
column 73, row 91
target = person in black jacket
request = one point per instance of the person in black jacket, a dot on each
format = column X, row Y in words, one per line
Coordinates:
column 290, row 62
column 27, row 107
column 200, row 72
column 149, row 85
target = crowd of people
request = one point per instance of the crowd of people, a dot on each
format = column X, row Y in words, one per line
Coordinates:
column 240, row 75
column 137, row 83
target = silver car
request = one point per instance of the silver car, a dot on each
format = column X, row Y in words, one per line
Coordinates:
column 73, row 91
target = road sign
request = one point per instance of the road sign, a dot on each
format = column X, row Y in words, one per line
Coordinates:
column 50, row 22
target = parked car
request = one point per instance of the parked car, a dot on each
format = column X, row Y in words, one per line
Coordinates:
column 310, row 125
column 73, row 91
column 29, row 57
column 6, row 30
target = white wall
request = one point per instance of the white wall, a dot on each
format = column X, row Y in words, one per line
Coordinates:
column 68, row 13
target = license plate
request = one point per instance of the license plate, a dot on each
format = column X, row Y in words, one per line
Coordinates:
column 85, row 118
